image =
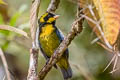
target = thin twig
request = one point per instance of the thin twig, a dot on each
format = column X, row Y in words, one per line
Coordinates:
column 82, row 70
column 90, row 7
column 105, row 47
column 32, row 72
column 13, row 29
column 5, row 64
column 59, row 51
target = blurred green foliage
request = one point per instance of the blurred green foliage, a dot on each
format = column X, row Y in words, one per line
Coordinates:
column 87, row 60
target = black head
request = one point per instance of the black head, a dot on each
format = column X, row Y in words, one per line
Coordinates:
column 48, row 18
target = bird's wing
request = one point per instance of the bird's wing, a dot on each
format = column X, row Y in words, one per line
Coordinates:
column 60, row 34
column 61, row 37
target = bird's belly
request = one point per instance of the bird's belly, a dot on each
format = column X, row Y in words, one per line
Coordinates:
column 49, row 43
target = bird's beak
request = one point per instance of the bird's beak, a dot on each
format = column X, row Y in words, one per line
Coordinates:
column 56, row 16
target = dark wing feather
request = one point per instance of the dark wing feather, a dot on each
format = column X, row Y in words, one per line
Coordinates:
column 61, row 38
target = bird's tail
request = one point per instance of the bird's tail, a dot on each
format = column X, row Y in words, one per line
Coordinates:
column 67, row 73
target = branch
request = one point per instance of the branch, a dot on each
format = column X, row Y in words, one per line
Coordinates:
column 53, row 5
column 79, row 22
column 13, row 29
column 32, row 72
column 5, row 64
column 34, row 18
column 59, row 51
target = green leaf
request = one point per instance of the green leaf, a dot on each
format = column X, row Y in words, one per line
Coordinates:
column 17, row 15
column 1, row 19
column 5, row 46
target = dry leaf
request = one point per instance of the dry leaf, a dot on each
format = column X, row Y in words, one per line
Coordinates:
column 108, row 13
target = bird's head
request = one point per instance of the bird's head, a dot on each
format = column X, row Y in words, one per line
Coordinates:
column 48, row 18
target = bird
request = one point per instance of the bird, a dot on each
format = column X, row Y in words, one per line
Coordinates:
column 49, row 38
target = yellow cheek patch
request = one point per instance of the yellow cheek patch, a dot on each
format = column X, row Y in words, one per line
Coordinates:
column 42, row 20
column 47, row 30
column 42, row 17
column 51, row 20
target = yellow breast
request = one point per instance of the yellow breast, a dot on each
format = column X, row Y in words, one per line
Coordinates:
column 47, row 30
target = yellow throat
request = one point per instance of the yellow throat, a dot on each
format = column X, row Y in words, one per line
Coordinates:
column 47, row 30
